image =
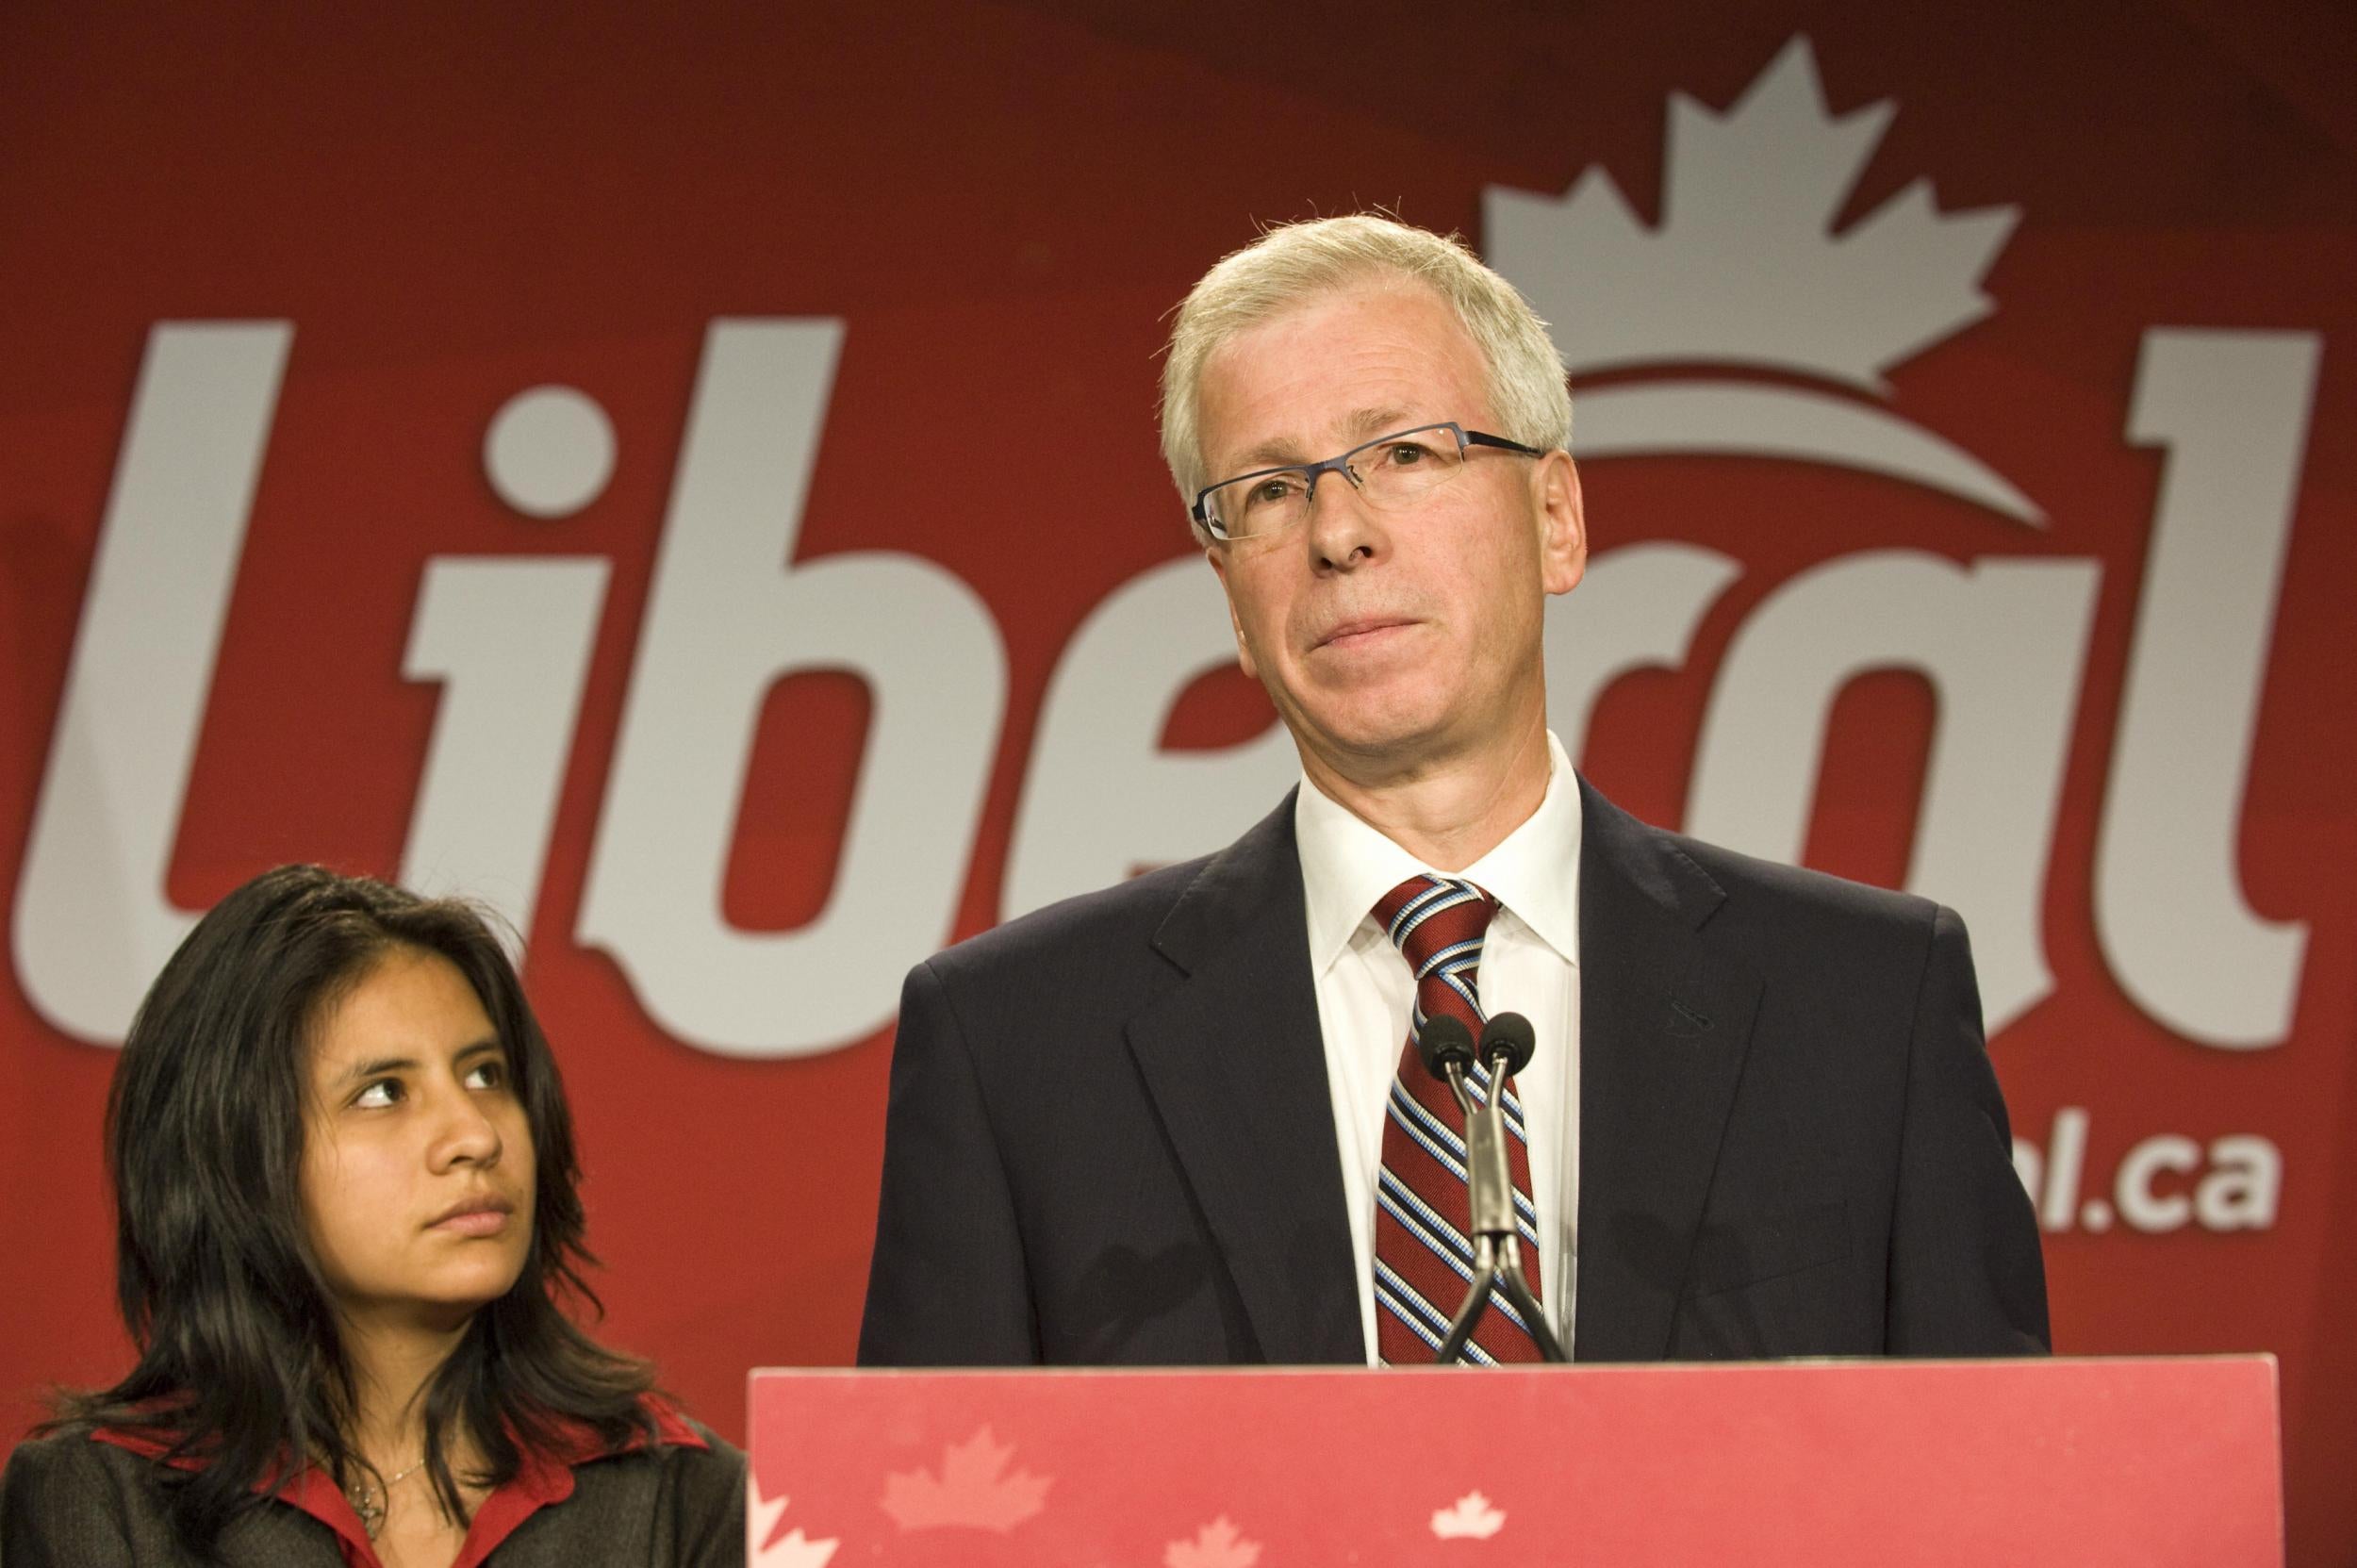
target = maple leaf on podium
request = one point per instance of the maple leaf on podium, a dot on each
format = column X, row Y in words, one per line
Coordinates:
column 1218, row 1544
column 1470, row 1518
column 765, row 1548
column 972, row 1490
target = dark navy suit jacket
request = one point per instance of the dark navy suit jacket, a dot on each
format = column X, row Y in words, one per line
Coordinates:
column 1110, row 1140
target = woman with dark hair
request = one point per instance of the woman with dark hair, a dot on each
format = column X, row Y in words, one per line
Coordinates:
column 346, row 1209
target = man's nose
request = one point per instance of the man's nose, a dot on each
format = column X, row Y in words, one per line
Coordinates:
column 1342, row 531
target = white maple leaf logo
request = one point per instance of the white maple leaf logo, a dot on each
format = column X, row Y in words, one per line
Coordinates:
column 764, row 1548
column 972, row 1490
column 1745, row 270
column 1745, row 266
column 1468, row 1518
column 1218, row 1544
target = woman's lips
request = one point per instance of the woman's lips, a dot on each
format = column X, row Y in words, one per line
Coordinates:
column 479, row 1222
column 476, row 1217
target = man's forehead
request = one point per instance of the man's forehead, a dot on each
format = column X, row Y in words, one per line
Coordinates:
column 1359, row 424
column 1347, row 365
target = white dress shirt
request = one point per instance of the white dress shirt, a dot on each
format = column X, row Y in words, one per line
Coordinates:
column 1529, row 964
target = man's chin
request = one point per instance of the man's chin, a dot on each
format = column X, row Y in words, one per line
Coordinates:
column 1381, row 743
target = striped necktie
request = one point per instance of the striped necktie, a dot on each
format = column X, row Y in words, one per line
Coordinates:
column 1423, row 1258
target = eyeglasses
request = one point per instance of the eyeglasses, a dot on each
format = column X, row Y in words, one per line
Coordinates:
column 1391, row 473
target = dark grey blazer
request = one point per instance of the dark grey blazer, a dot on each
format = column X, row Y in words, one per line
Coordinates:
column 69, row 1502
column 1110, row 1141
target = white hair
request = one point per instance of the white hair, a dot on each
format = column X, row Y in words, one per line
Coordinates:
column 1293, row 264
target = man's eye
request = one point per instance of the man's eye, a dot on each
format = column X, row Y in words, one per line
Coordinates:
column 1405, row 454
column 1275, row 490
column 384, row 1092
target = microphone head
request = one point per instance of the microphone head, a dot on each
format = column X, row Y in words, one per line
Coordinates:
column 1510, row 1036
column 1442, row 1041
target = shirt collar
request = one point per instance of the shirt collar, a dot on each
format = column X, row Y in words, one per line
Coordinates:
column 541, row 1480
column 1348, row 865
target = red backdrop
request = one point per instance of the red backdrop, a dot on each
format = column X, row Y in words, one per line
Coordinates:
column 1986, row 537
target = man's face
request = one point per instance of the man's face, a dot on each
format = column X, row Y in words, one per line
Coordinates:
column 1392, row 642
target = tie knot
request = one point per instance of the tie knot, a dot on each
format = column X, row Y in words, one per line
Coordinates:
column 1425, row 916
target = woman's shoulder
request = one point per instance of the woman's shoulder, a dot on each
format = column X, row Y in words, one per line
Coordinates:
column 709, row 1463
column 686, row 1489
column 94, row 1499
column 66, row 1499
column 69, row 1461
column 676, row 1430
column 692, row 1458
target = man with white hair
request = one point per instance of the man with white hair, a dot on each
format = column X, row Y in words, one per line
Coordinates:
column 1183, row 1120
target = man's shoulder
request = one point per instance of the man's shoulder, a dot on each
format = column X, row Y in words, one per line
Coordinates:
column 1104, row 925
column 1164, row 917
column 1745, row 890
column 1777, row 886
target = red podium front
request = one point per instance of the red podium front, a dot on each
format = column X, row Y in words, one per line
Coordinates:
column 1972, row 1463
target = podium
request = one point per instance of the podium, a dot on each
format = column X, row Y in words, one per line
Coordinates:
column 2022, row 1463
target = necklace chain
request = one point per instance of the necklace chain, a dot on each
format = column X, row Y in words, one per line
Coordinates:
column 371, row 1506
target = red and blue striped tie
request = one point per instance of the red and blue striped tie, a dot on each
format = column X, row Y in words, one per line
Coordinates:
column 1423, row 1258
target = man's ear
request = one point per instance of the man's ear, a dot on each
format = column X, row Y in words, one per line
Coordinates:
column 1562, row 523
column 1218, row 558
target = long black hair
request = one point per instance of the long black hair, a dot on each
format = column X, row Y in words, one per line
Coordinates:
column 240, row 1364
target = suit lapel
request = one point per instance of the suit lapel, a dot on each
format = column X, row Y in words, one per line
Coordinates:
column 1235, row 1062
column 1664, row 1022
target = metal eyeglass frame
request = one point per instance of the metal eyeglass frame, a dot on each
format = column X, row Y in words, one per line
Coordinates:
column 1310, row 471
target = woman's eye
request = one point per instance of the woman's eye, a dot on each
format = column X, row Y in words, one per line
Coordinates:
column 379, row 1095
column 487, row 1074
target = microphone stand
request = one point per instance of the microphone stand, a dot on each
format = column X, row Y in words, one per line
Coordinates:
column 1496, row 1246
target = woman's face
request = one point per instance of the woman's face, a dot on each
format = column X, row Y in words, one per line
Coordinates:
column 416, row 1159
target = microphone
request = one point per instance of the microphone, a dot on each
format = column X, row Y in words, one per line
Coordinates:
column 1508, row 1039
column 1507, row 1044
column 1443, row 1043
